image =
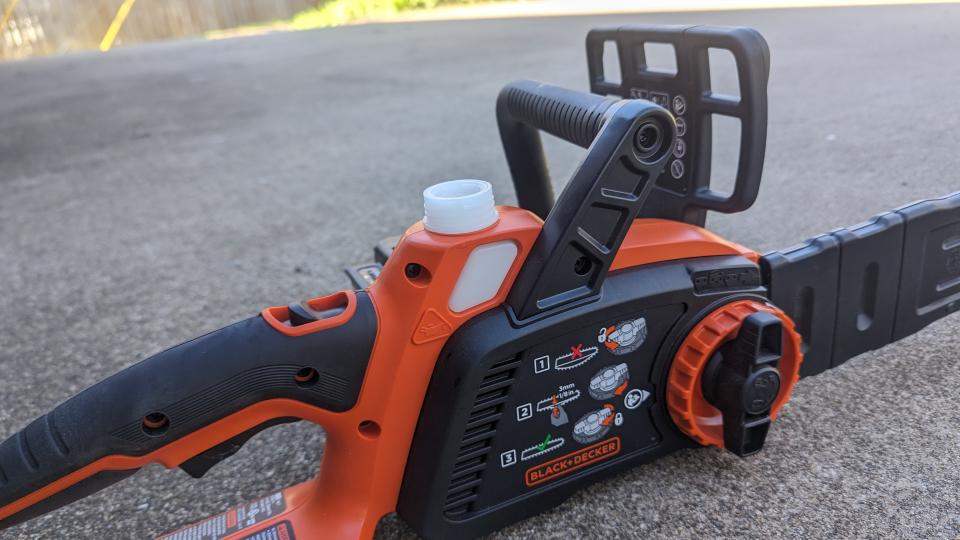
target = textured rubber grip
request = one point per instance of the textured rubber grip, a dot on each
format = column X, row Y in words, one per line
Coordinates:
column 177, row 392
column 573, row 116
column 526, row 107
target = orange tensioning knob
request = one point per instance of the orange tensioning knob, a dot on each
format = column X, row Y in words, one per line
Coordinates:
column 688, row 407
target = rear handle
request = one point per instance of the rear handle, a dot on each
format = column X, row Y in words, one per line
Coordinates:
column 192, row 405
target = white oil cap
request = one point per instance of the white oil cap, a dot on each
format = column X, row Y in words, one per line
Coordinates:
column 459, row 207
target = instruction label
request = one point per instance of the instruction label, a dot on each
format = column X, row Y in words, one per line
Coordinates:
column 233, row 520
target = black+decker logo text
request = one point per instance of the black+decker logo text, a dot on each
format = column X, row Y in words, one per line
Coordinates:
column 572, row 461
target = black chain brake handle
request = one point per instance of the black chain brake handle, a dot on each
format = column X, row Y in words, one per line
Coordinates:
column 683, row 191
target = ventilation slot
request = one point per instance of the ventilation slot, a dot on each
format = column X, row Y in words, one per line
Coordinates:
column 492, row 397
column 480, row 432
column 504, row 376
column 472, row 450
column 466, row 481
column 480, row 428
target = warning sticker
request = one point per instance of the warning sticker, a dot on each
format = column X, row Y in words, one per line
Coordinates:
column 277, row 531
column 233, row 520
column 572, row 461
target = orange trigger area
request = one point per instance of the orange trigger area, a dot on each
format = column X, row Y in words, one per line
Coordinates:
column 658, row 240
column 363, row 467
column 366, row 446
column 278, row 316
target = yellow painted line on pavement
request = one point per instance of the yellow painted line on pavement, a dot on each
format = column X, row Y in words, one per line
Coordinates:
column 107, row 42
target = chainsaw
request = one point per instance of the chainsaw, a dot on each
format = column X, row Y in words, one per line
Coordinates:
column 495, row 359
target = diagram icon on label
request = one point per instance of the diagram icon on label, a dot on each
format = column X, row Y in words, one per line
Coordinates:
column 578, row 356
column 559, row 417
column 624, row 337
column 680, row 149
column 679, row 105
column 635, row 398
column 593, row 425
column 676, row 169
column 609, row 381
column 554, row 404
column 548, row 445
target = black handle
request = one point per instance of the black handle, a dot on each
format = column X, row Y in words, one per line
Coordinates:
column 629, row 144
column 683, row 190
column 526, row 107
column 178, row 391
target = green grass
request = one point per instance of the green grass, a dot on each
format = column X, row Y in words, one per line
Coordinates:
column 338, row 12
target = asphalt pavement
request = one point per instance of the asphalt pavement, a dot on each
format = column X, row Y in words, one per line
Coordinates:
column 161, row 191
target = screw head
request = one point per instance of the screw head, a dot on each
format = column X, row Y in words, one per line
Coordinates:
column 413, row 270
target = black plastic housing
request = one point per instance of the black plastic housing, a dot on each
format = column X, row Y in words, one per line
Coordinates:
column 683, row 190
column 492, row 372
column 930, row 276
column 805, row 288
column 862, row 287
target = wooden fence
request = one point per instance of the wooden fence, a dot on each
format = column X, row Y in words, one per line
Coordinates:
column 37, row 27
